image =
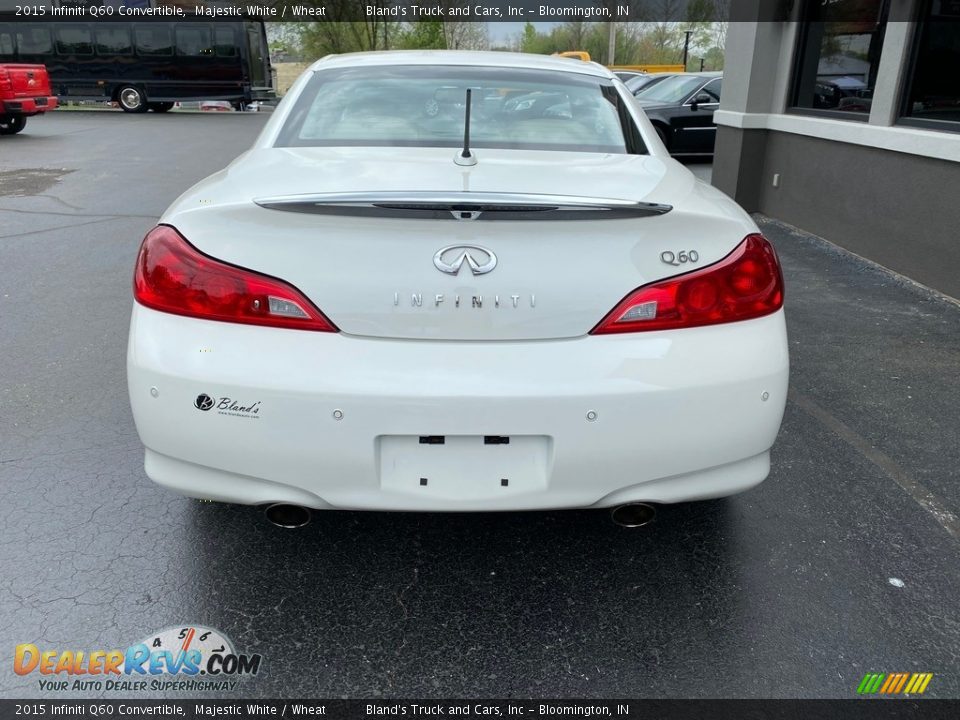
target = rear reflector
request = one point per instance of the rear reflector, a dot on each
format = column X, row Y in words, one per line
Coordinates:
column 174, row 277
column 746, row 284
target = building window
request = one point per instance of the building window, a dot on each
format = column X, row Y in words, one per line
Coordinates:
column 932, row 95
column 838, row 56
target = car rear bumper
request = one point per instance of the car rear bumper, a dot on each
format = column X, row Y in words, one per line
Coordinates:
column 330, row 420
column 28, row 106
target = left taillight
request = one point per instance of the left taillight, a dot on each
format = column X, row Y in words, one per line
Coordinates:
column 745, row 284
column 173, row 276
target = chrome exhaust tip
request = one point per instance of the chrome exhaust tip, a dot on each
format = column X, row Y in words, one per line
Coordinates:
column 633, row 515
column 287, row 516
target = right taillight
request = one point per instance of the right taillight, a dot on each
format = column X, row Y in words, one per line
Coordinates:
column 174, row 277
column 746, row 284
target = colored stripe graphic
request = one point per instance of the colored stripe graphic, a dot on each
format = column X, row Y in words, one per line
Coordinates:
column 891, row 680
column 889, row 683
column 894, row 683
column 870, row 683
column 903, row 681
column 915, row 681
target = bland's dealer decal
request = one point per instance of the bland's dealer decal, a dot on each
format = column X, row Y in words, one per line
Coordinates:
column 228, row 406
column 193, row 658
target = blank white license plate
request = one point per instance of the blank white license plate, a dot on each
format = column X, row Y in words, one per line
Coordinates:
column 463, row 466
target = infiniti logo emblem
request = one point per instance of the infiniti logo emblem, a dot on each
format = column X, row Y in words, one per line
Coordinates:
column 451, row 258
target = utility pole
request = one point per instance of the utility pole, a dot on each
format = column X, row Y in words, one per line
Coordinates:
column 701, row 64
column 611, row 43
column 686, row 47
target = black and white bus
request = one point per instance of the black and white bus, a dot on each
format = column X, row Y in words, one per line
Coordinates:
column 145, row 65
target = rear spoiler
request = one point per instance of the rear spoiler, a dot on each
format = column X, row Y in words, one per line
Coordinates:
column 463, row 205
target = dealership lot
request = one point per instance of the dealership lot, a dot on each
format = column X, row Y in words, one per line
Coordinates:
column 843, row 562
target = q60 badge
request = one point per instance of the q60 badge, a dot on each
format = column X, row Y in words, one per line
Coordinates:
column 679, row 258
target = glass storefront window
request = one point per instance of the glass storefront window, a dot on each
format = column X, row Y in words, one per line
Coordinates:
column 838, row 56
column 933, row 85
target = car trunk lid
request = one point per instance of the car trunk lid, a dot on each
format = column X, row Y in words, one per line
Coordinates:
column 512, row 248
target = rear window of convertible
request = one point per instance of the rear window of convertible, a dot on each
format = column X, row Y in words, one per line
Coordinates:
column 423, row 106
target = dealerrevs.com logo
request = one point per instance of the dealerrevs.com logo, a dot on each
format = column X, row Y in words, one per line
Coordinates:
column 191, row 659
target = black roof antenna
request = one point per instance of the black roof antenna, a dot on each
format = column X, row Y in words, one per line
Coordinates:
column 465, row 157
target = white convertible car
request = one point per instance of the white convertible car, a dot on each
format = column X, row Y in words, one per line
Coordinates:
column 457, row 281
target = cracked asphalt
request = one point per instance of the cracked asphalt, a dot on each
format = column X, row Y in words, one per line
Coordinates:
column 845, row 561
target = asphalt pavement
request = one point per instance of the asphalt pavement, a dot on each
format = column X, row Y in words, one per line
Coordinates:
column 845, row 561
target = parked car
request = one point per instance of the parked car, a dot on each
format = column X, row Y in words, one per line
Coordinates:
column 24, row 92
column 216, row 106
column 681, row 109
column 842, row 93
column 626, row 75
column 638, row 83
column 521, row 305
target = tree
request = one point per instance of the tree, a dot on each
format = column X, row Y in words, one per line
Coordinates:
column 341, row 33
column 462, row 35
column 423, row 35
column 577, row 34
column 638, row 43
column 530, row 39
column 701, row 11
column 713, row 59
column 284, row 38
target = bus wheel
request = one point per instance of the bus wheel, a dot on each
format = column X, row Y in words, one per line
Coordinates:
column 12, row 124
column 132, row 99
column 161, row 107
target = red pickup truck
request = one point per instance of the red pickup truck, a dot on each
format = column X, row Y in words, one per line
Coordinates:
column 24, row 91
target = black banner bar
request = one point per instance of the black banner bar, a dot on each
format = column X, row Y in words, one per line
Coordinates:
column 853, row 709
column 406, row 11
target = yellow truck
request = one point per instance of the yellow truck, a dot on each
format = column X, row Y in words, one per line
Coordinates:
column 585, row 56
column 675, row 68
